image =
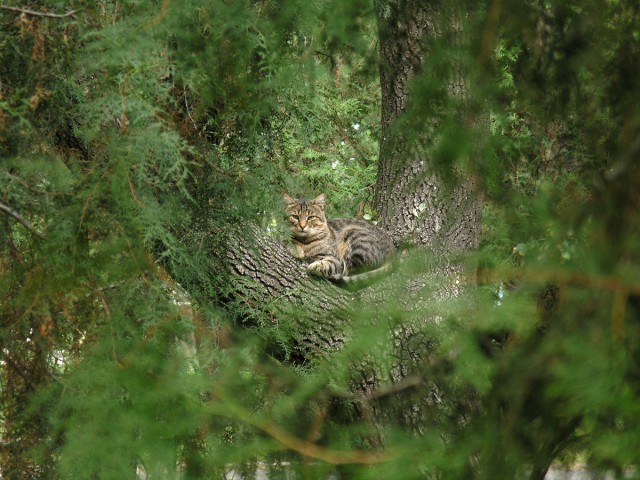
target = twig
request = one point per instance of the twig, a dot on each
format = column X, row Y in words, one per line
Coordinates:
column 26, row 11
column 105, row 288
column 123, row 121
column 384, row 390
column 29, row 187
column 163, row 11
column 565, row 277
column 133, row 191
column 395, row 387
column 12, row 213
column 619, row 288
column 107, row 311
column 489, row 36
column 186, row 104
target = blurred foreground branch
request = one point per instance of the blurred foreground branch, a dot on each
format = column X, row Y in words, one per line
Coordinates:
column 565, row 277
column 308, row 449
column 620, row 289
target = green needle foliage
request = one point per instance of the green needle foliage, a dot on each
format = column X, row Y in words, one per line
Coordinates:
column 137, row 137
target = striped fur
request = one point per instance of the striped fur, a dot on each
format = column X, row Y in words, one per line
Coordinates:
column 338, row 249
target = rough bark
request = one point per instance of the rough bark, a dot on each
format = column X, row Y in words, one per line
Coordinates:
column 413, row 201
column 418, row 207
column 269, row 281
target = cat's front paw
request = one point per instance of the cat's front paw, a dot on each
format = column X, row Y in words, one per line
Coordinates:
column 318, row 269
column 326, row 269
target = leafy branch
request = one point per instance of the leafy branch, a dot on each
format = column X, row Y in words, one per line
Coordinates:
column 12, row 213
column 620, row 289
column 304, row 447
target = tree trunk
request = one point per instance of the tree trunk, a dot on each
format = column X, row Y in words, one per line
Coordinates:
column 413, row 201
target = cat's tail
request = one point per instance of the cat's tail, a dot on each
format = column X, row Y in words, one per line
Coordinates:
column 365, row 278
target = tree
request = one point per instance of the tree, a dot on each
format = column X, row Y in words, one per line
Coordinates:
column 142, row 149
column 392, row 389
column 416, row 204
column 541, row 431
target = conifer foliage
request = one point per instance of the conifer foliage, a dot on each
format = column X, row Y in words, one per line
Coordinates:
column 143, row 144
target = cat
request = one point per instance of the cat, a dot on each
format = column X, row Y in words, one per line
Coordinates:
column 338, row 249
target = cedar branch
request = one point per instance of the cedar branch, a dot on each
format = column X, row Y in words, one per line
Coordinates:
column 306, row 448
column 12, row 213
column 27, row 11
column 564, row 277
column 619, row 288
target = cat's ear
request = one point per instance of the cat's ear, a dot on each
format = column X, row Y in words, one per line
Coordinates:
column 287, row 199
column 319, row 200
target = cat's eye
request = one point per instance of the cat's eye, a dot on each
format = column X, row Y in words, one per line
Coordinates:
column 295, row 217
column 311, row 217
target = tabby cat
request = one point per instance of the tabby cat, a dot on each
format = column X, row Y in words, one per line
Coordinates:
column 338, row 249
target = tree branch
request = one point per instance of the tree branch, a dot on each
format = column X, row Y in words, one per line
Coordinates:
column 27, row 11
column 303, row 447
column 565, row 277
column 12, row 363
column 270, row 279
column 12, row 213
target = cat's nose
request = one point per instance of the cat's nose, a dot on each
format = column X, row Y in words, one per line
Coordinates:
column 303, row 225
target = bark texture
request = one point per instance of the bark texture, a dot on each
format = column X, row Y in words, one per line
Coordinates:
column 269, row 281
column 413, row 202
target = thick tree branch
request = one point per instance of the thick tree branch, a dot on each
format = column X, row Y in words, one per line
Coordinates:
column 271, row 282
column 321, row 319
column 413, row 200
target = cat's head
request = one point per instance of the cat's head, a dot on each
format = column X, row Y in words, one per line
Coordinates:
column 306, row 218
